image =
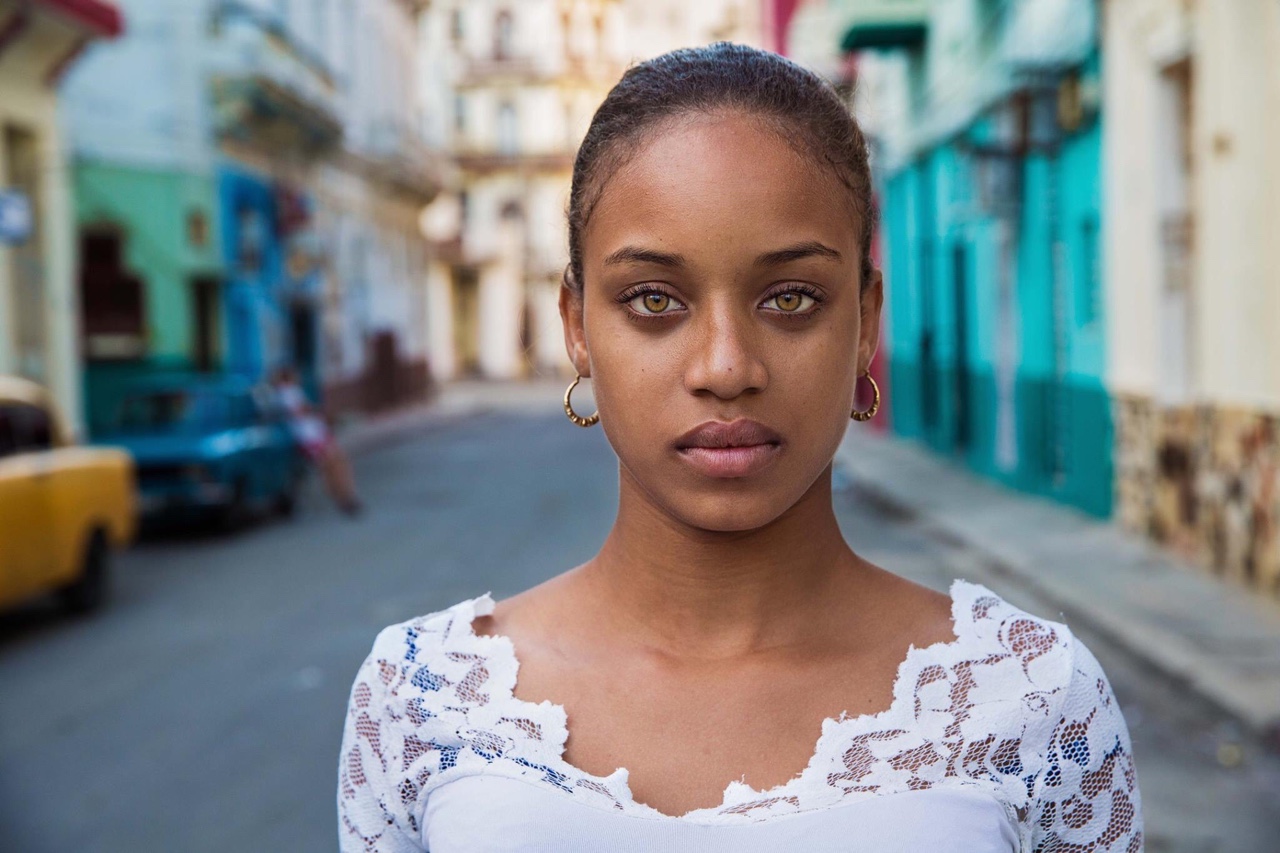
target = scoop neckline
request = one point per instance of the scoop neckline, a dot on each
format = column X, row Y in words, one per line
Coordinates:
column 737, row 793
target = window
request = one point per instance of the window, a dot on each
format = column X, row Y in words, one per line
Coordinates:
column 112, row 299
column 459, row 114
column 503, row 34
column 508, row 131
column 243, row 410
column 24, row 429
column 464, row 209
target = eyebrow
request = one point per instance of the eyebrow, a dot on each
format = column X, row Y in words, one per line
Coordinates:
column 636, row 255
column 800, row 251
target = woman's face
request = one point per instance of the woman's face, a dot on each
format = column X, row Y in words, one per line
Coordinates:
column 722, row 321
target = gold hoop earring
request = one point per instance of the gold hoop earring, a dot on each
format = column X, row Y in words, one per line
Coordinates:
column 875, row 403
column 571, row 414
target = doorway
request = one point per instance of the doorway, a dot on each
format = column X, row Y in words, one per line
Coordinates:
column 466, row 320
column 206, row 304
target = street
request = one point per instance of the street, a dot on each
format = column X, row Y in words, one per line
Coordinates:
column 202, row 709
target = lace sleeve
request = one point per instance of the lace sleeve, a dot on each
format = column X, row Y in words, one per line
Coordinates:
column 373, row 816
column 1086, row 797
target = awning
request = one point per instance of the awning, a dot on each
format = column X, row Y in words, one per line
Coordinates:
column 880, row 24
column 882, row 37
column 103, row 18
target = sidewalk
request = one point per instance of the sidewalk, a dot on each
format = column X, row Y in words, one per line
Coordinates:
column 1219, row 640
column 455, row 402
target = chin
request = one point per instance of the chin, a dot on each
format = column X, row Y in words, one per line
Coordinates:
column 733, row 510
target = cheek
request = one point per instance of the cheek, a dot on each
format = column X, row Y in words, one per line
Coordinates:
column 634, row 375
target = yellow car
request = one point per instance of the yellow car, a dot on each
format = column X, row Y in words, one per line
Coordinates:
column 63, row 508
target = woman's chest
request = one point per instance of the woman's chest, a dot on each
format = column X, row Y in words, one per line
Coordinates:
column 493, row 814
column 684, row 736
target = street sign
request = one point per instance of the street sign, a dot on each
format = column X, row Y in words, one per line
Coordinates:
column 15, row 217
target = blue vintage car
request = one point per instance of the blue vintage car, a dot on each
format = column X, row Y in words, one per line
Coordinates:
column 212, row 446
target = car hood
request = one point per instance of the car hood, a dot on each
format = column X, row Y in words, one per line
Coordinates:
column 156, row 448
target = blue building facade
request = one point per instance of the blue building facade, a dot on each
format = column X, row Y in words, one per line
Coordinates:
column 271, row 309
column 991, row 230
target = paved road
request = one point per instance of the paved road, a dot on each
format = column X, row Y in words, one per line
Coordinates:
column 202, row 711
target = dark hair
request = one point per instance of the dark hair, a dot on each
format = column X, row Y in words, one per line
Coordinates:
column 803, row 107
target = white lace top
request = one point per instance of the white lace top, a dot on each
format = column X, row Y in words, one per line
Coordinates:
column 1006, row 739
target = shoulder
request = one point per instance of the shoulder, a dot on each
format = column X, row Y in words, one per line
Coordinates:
column 409, row 703
column 1050, row 696
column 411, row 639
column 1040, row 649
column 1007, row 676
column 425, row 661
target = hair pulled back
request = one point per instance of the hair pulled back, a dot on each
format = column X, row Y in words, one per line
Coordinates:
column 803, row 107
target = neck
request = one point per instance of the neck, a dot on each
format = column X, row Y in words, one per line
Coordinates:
column 692, row 592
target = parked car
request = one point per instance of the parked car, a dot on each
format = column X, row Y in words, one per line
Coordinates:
column 216, row 447
column 63, row 508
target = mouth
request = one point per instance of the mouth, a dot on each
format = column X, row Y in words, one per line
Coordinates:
column 729, row 450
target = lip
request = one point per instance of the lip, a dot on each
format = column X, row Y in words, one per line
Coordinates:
column 735, row 449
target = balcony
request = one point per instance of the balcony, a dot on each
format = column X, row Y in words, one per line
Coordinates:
column 488, row 161
column 395, row 154
column 268, row 90
column 881, row 24
column 489, row 70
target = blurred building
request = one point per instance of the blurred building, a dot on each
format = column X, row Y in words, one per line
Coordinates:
column 248, row 180
column 984, row 117
column 512, row 87
column 39, row 42
column 1193, row 266
column 1108, row 344
column 523, row 80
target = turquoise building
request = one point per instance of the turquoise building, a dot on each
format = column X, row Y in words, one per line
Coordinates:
column 991, row 193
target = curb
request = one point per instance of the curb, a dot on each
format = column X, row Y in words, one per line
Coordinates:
column 377, row 434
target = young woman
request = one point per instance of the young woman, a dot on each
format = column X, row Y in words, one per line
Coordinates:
column 312, row 434
column 727, row 674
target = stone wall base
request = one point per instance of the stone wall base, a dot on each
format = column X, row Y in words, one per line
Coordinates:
column 1204, row 480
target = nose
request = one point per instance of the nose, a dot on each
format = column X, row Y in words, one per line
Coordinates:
column 725, row 361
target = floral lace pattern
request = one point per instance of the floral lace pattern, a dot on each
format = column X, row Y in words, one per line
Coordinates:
column 1014, row 705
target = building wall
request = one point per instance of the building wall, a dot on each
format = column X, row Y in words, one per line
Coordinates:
column 38, row 332
column 140, row 101
column 996, row 321
column 514, row 94
column 152, row 212
column 1194, row 358
column 375, row 278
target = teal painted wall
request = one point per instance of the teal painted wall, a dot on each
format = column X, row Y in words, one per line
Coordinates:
column 150, row 208
column 943, row 256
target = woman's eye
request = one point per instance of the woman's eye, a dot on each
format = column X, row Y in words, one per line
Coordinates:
column 654, row 303
column 790, row 302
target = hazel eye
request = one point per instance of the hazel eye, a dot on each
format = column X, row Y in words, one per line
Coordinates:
column 790, row 302
column 653, row 303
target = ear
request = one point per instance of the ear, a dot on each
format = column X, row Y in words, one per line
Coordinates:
column 575, row 334
column 872, row 299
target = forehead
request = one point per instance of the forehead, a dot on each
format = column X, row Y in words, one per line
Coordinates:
column 716, row 183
